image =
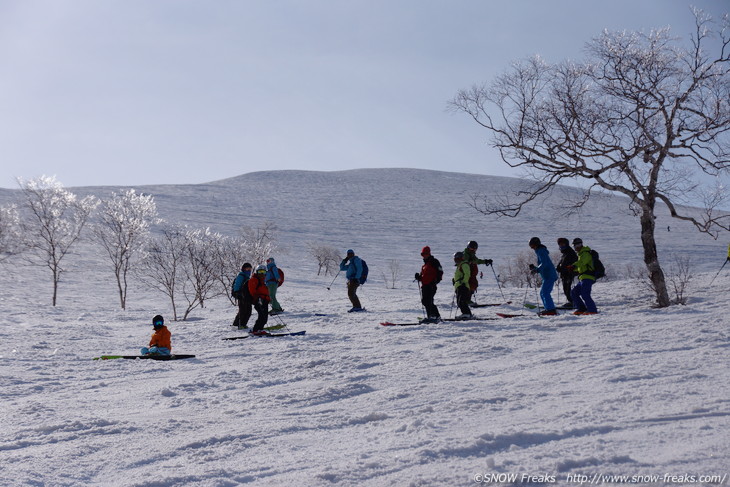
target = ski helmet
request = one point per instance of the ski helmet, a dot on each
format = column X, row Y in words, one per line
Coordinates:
column 577, row 241
column 158, row 320
column 425, row 251
column 472, row 245
column 459, row 256
column 534, row 241
column 261, row 269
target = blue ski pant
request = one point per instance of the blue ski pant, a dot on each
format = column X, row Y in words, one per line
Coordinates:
column 581, row 295
column 545, row 293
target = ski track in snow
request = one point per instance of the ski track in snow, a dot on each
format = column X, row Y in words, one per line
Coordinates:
column 632, row 390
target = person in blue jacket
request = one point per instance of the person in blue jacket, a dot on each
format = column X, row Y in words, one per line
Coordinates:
column 548, row 273
column 352, row 265
column 272, row 282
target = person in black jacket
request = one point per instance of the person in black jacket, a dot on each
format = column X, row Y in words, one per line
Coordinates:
column 568, row 258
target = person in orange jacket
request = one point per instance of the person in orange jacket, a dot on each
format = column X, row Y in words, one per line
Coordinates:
column 161, row 341
column 260, row 297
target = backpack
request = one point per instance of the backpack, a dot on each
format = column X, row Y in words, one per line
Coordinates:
column 281, row 277
column 439, row 270
column 599, row 270
column 364, row 275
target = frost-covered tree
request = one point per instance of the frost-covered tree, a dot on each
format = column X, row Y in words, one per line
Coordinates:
column 123, row 229
column 643, row 116
column 53, row 224
column 260, row 242
column 11, row 239
column 328, row 257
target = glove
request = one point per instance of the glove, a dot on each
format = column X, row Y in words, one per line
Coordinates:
column 488, row 262
column 417, row 277
column 533, row 269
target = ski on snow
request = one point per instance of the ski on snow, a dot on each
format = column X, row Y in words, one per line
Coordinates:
column 296, row 333
column 475, row 319
column 150, row 357
column 488, row 304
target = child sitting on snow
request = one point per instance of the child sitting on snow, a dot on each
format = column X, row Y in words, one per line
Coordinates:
column 161, row 341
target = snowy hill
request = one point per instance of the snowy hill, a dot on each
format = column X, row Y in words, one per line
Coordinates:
column 632, row 391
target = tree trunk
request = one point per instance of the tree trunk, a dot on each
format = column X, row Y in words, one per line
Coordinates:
column 656, row 275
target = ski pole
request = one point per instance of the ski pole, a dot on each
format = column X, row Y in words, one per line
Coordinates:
column 498, row 285
column 333, row 280
column 453, row 300
column 420, row 292
column 282, row 322
column 718, row 272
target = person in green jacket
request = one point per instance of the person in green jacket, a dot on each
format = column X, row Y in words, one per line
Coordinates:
column 583, row 268
column 461, row 285
column 470, row 257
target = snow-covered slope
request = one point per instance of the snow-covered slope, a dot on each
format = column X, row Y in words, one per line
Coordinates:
column 631, row 391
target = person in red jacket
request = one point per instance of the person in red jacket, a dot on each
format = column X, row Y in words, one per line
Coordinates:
column 260, row 297
column 430, row 275
column 161, row 341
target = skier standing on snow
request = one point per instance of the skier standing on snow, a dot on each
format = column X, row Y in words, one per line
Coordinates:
column 566, row 275
column 352, row 265
column 471, row 258
column 260, row 297
column 583, row 267
column 461, row 285
column 241, row 293
column 161, row 341
column 272, row 283
column 548, row 273
column 429, row 277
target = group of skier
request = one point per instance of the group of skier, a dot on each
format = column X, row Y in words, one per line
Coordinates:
column 577, row 261
column 257, row 291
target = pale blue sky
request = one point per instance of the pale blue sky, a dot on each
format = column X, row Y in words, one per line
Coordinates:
column 132, row 92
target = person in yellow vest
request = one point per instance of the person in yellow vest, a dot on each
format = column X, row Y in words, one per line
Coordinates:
column 461, row 285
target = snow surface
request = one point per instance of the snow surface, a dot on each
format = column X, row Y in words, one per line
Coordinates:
column 632, row 391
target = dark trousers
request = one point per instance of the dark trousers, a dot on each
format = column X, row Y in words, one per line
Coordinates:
column 567, row 286
column 582, row 296
column 428, row 292
column 463, row 296
column 244, row 311
column 352, row 286
column 262, row 308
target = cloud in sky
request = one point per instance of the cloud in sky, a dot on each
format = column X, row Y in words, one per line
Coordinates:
column 131, row 92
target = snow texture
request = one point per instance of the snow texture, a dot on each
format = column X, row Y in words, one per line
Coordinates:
column 632, row 391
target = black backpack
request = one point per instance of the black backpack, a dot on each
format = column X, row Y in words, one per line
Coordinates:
column 599, row 270
column 364, row 275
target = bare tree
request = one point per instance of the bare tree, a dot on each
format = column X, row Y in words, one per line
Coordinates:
column 123, row 229
column 11, row 239
column 393, row 271
column 643, row 117
column 55, row 222
column 164, row 262
column 328, row 257
column 202, row 273
column 517, row 270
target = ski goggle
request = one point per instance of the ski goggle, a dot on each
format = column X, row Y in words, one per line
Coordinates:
column 158, row 323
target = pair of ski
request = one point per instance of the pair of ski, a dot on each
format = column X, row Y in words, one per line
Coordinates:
column 143, row 357
column 422, row 322
column 296, row 333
